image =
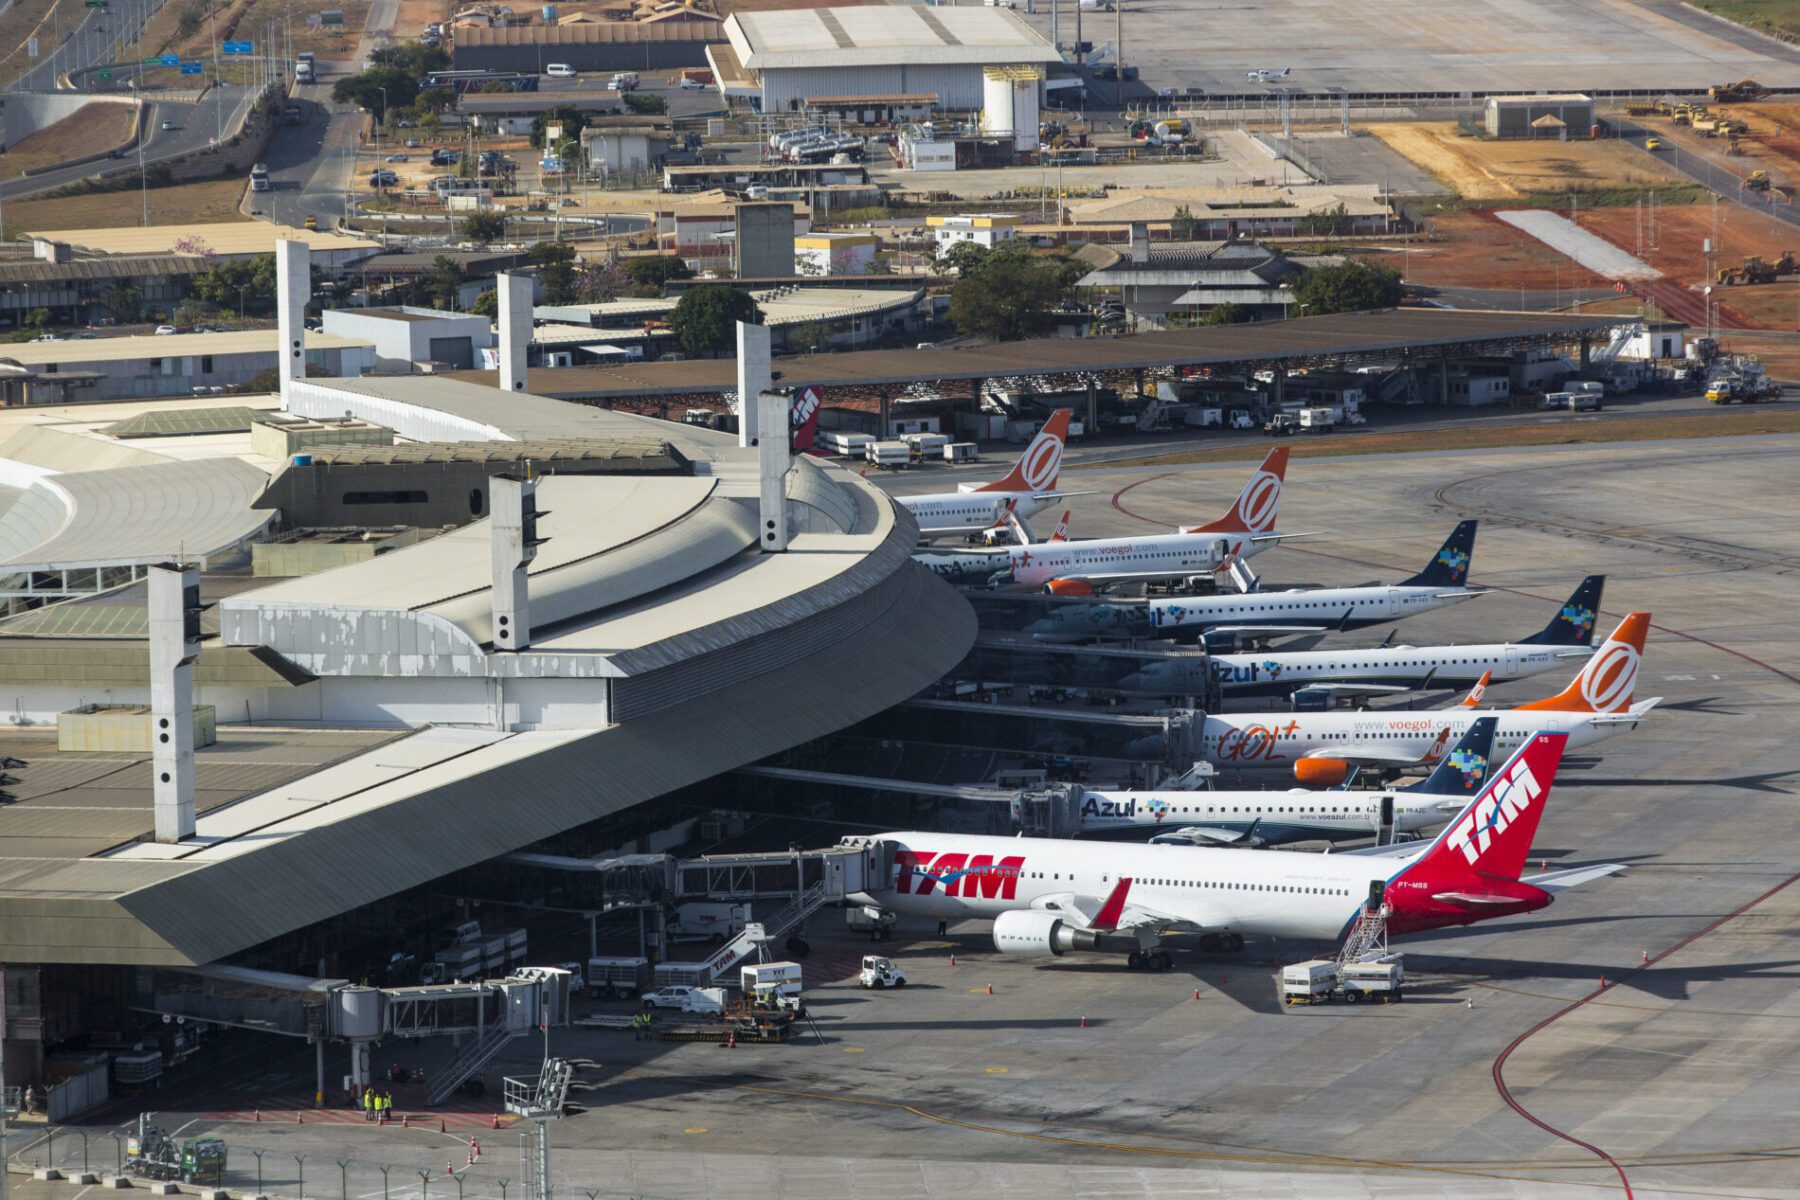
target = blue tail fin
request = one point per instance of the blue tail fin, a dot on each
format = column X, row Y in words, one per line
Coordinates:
column 1449, row 567
column 1573, row 624
column 1461, row 772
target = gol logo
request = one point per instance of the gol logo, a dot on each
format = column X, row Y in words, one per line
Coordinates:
column 1607, row 682
column 1494, row 813
column 1257, row 505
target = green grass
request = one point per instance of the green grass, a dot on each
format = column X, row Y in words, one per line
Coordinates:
column 1779, row 17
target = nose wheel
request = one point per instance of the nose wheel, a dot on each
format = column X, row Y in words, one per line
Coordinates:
column 1149, row 960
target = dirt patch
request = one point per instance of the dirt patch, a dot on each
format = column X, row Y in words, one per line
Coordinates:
column 1673, row 242
column 186, row 26
column 190, row 203
column 1474, row 250
column 1724, row 422
column 1479, row 169
column 99, row 126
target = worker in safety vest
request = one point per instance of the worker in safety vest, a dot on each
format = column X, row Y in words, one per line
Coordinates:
column 368, row 1102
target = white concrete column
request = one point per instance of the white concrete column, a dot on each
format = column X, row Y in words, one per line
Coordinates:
column 515, row 329
column 753, row 378
column 773, row 460
column 174, row 645
column 512, row 521
column 293, row 288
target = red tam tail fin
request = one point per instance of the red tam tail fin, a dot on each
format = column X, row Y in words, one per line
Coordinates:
column 1259, row 502
column 1606, row 684
column 1038, row 468
column 1492, row 836
column 803, row 414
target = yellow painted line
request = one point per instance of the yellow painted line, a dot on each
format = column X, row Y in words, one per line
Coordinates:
column 853, row 1049
column 998, row 1070
column 695, row 1129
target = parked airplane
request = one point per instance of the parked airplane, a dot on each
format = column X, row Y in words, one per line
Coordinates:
column 1029, row 488
column 1566, row 640
column 1257, row 819
column 1324, row 610
column 1323, row 747
column 1048, row 896
column 1268, row 75
column 1083, row 567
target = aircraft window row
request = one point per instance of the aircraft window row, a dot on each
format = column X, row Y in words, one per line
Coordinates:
column 1245, row 887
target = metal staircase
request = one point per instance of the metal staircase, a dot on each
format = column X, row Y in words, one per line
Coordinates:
column 1366, row 939
column 476, row 1056
column 755, row 937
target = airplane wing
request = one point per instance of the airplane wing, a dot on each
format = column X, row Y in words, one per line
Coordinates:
column 1116, row 914
column 1209, row 835
column 1358, row 689
column 1293, row 630
column 1557, row 881
column 1276, row 537
column 1391, row 850
column 1368, row 753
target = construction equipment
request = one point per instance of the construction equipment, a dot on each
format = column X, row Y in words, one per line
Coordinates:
column 1757, row 181
column 153, row 1154
column 1754, row 270
column 1741, row 92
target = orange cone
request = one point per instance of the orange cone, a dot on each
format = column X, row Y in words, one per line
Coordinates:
column 258, row 1117
column 496, row 1120
column 296, row 1118
column 990, row 989
column 1084, row 1022
column 953, row 960
column 441, row 1128
column 1196, row 993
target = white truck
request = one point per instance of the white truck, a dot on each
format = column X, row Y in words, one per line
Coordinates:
column 1203, row 418
column 774, row 985
column 1240, row 418
column 617, row 978
column 888, row 455
column 1320, row 981
column 708, row 920
column 1322, row 419
column 879, row 971
column 259, row 178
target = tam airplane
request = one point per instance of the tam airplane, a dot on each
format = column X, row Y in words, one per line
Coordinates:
column 1323, row 747
column 1049, row 896
column 1028, row 489
column 1265, row 818
column 1088, row 565
column 1565, row 641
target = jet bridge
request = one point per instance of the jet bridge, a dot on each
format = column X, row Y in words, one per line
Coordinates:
column 1169, row 736
column 1053, row 672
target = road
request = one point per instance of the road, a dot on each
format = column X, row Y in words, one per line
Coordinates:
column 102, row 36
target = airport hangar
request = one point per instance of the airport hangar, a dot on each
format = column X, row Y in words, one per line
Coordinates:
column 386, row 745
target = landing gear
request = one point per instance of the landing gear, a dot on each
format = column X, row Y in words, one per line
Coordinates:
column 1221, row 943
column 1149, row 960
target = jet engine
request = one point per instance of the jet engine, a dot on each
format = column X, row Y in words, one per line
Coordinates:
column 1039, row 935
column 1321, row 772
column 1069, row 587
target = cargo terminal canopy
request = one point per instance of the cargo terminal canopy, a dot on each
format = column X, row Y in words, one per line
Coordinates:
column 1425, row 334
column 392, row 740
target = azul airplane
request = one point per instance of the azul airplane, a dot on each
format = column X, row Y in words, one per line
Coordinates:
column 1323, row 747
column 1256, row 819
column 1049, row 896
column 1029, row 488
column 1567, row 640
column 1088, row 565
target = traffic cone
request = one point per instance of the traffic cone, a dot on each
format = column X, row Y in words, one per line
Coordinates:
column 953, row 960
column 1646, row 957
column 1603, row 981
column 405, row 1120
column 1196, row 993
column 258, row 1117
column 990, row 989
column 496, row 1120
column 441, row 1128
column 296, row 1118
column 1084, row 1022
column 448, row 1169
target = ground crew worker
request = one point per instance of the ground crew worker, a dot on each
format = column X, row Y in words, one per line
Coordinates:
column 368, row 1104
column 385, row 1105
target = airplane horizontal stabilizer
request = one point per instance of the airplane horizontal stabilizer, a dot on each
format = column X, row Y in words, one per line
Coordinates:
column 1558, row 881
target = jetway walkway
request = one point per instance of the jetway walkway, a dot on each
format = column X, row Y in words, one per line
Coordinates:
column 941, row 791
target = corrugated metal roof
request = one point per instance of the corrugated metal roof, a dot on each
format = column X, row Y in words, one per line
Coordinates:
column 1303, row 339
column 648, row 453
column 73, row 352
column 120, row 266
column 183, row 421
column 885, row 35
column 598, row 33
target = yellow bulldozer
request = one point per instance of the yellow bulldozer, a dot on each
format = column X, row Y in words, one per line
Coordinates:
column 1754, row 270
column 1741, row 92
column 1757, row 181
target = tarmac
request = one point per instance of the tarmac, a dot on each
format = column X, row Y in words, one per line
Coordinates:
column 1645, row 1027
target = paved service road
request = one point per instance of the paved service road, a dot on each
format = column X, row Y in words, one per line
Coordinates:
column 102, row 36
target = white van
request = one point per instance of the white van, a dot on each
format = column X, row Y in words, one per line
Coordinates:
column 561, row 71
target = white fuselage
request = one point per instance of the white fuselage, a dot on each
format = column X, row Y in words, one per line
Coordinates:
column 1280, row 739
column 1280, row 815
column 944, row 514
column 1346, row 607
column 1274, row 892
column 1446, row 666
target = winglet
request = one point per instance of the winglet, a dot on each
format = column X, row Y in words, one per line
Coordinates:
column 1114, row 907
column 1061, row 532
column 1038, row 468
column 1478, row 693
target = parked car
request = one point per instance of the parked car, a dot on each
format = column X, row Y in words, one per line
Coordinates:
column 383, row 178
column 673, row 996
column 561, row 71
column 692, row 85
column 164, row 330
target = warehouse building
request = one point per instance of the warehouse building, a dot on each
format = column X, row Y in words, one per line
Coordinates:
column 968, row 58
column 88, row 369
column 596, row 46
column 215, row 242
column 1554, row 116
column 407, row 338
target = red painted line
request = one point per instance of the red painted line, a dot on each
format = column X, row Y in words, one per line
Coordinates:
column 1140, row 483
column 1500, row 1060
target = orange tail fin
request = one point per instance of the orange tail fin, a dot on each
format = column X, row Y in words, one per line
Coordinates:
column 1259, row 502
column 1606, row 683
column 1038, row 468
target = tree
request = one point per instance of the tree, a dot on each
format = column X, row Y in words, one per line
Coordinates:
column 600, row 282
column 567, row 116
column 555, row 262
column 432, row 101
column 962, row 257
column 246, row 285
column 1223, row 314
column 705, row 319
column 1351, row 286
column 367, row 90
column 486, row 305
column 37, row 318
column 1011, row 293
column 652, row 272
column 1333, row 222
column 415, row 58
column 645, row 103
column 494, row 87
column 442, row 281
column 124, row 300
column 484, row 227
column 1183, row 224
column 809, row 336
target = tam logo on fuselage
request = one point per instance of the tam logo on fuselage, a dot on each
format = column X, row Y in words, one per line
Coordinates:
column 1494, row 813
column 919, row 872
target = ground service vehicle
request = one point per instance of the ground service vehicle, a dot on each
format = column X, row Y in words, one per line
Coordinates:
column 617, row 978
column 879, row 971
column 311, row 222
column 774, row 985
column 303, row 73
column 561, row 71
column 1318, row 420
column 1319, row 981
column 623, row 81
column 153, row 1154
column 709, row 920
column 673, row 996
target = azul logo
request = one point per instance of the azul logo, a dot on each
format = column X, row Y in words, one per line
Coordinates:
column 1472, row 766
column 1453, row 558
column 1608, row 679
column 1272, row 667
column 1495, row 812
column 1173, row 615
column 1581, row 618
column 920, row 872
column 1098, row 808
column 1257, row 504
